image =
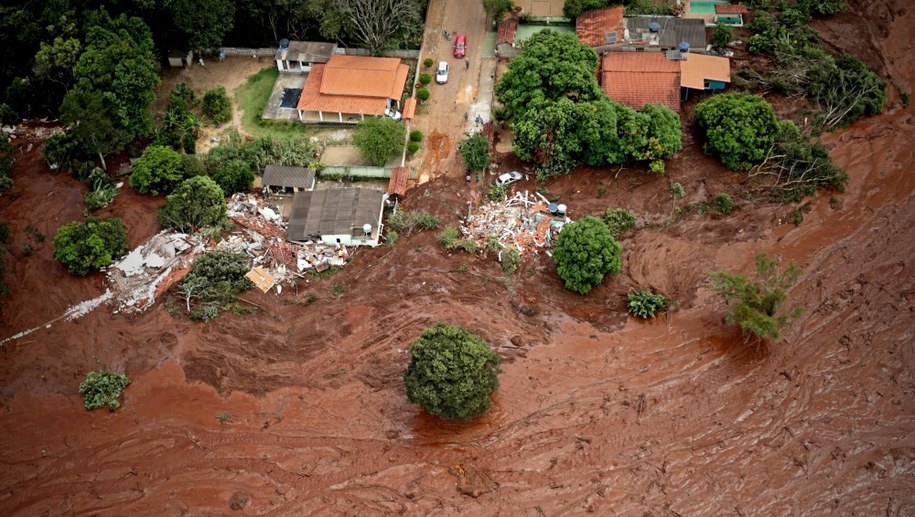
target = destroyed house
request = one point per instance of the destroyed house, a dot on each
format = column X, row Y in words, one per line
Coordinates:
column 348, row 217
column 279, row 179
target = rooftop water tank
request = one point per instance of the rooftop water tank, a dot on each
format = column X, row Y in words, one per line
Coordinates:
column 654, row 26
column 367, row 229
column 561, row 210
column 553, row 208
column 284, row 44
column 684, row 47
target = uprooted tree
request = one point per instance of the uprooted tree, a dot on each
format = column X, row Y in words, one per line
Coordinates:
column 213, row 283
column 586, row 251
column 758, row 307
column 452, row 373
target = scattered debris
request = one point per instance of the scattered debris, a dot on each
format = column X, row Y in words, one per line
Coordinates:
column 524, row 222
column 261, row 278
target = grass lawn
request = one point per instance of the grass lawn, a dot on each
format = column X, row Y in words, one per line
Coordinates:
column 251, row 98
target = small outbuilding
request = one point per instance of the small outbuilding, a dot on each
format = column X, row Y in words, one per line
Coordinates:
column 284, row 180
column 346, row 217
column 180, row 59
column 300, row 56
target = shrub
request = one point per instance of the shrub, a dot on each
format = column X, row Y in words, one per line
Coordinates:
column 644, row 304
column 496, row 192
column 199, row 202
column 428, row 62
column 193, row 166
column 448, row 236
column 233, row 176
column 758, row 307
column 423, row 95
column 721, row 36
column 416, row 136
column 405, row 221
column 619, row 221
column 213, row 283
column 739, row 128
column 723, row 203
column 90, row 245
column 572, row 8
column 475, row 152
column 390, row 238
column 379, row 139
column 412, row 147
column 452, row 373
column 216, row 106
column 159, row 170
column 102, row 194
column 7, row 162
column 511, row 259
column 425, row 78
column 586, row 251
column 103, row 389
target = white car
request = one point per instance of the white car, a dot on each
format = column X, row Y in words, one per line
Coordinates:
column 508, row 178
column 394, row 114
column 441, row 73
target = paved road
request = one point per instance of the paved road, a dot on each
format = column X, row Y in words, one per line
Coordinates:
column 453, row 107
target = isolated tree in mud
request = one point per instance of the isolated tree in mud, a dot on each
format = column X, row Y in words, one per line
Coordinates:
column 379, row 139
column 197, row 203
column 452, row 373
column 739, row 128
column 92, row 245
column 758, row 308
column 586, row 251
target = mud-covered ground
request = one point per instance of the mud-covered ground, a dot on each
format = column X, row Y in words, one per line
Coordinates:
column 596, row 412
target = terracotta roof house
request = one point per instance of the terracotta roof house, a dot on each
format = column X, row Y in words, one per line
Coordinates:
column 352, row 87
column 505, row 38
column 600, row 27
column 349, row 217
column 279, row 179
column 730, row 14
column 397, row 185
column 704, row 72
column 300, row 56
column 663, row 33
column 639, row 78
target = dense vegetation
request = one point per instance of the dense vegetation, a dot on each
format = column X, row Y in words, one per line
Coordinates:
column 452, row 373
column 739, row 128
column 586, row 251
column 561, row 117
column 213, row 283
column 379, row 139
column 103, row 389
column 158, row 171
column 7, row 162
column 90, row 245
column 475, row 152
column 758, row 307
column 197, row 203
column 644, row 304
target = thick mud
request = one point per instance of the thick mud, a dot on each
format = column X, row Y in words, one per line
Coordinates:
column 299, row 409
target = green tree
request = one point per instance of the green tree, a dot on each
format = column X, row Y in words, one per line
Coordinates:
column 572, row 8
column 619, row 221
column 204, row 22
column 721, row 36
column 586, row 251
column 379, row 139
column 845, row 89
column 90, row 245
column 55, row 61
column 180, row 124
column 452, row 373
column 663, row 136
column 496, row 9
column 423, row 95
column 159, row 170
column 103, row 389
column 213, row 283
column 475, row 152
column 197, row 203
column 92, row 122
column 216, row 106
column 758, row 308
column 233, row 176
column 7, row 163
column 739, row 128
column 822, row 7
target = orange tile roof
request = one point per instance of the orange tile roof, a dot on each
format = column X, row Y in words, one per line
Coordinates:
column 730, row 9
column 409, row 109
column 362, row 76
column 313, row 100
column 639, row 78
column 508, row 28
column 592, row 26
column 397, row 186
column 696, row 68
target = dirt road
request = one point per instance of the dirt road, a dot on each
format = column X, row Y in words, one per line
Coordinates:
column 300, row 409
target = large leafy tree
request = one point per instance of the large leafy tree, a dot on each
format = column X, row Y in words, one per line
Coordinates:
column 373, row 22
column 204, row 22
column 91, row 245
column 496, row 8
column 379, row 139
column 475, row 152
column 586, row 251
column 159, row 170
column 758, row 307
column 452, row 373
column 233, row 176
column 93, row 123
column 197, row 203
column 739, row 128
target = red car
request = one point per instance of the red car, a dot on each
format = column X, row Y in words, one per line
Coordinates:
column 460, row 45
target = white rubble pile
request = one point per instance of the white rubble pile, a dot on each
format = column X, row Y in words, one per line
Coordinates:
column 523, row 222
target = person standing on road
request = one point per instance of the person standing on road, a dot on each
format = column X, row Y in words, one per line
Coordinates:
column 467, row 63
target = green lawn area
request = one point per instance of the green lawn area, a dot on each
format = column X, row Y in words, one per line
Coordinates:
column 251, row 98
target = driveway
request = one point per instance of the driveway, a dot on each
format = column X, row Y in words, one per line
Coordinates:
column 454, row 106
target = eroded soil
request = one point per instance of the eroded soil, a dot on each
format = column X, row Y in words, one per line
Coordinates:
column 596, row 412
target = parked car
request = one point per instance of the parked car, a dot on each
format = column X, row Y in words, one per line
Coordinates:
column 441, row 73
column 460, row 45
column 391, row 112
column 508, row 178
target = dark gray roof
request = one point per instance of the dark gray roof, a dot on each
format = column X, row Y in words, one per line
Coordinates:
column 673, row 30
column 307, row 51
column 282, row 176
column 333, row 212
